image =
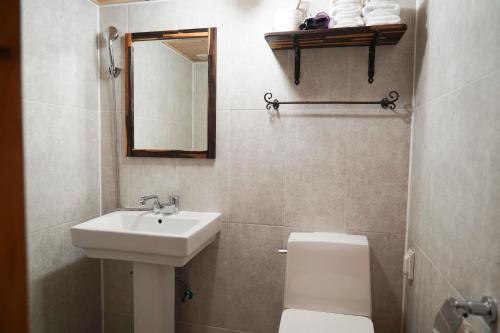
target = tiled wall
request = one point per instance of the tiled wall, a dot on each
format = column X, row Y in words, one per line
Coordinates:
column 61, row 146
column 454, row 211
column 322, row 168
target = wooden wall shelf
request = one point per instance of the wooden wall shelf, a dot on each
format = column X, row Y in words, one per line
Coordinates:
column 340, row 37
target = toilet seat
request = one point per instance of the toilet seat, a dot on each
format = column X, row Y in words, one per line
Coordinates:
column 303, row 321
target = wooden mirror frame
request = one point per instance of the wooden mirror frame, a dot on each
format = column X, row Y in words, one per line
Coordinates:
column 211, row 33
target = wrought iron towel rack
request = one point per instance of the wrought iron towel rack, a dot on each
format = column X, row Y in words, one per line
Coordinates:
column 386, row 102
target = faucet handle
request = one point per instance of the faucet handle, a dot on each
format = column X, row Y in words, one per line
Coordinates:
column 174, row 200
column 143, row 199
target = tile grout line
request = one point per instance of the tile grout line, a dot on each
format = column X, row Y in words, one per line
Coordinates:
column 435, row 267
column 347, row 148
column 407, row 231
column 455, row 90
column 229, row 159
column 285, row 156
column 421, row 292
column 100, row 115
column 346, row 177
column 135, row 2
column 63, row 224
column 284, row 240
column 305, row 228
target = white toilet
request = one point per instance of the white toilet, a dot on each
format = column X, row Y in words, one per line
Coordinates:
column 327, row 284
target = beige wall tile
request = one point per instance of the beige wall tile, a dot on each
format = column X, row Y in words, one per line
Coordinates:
column 431, row 121
column 193, row 14
column 47, row 304
column 118, row 296
column 117, row 287
column 386, row 260
column 377, row 173
column 255, row 278
column 393, row 71
column 316, row 149
column 257, row 161
column 481, row 59
column 207, row 275
column 324, row 77
column 84, row 296
column 109, row 178
column 413, row 293
column 151, row 176
column 378, row 208
column 61, row 145
column 434, row 292
column 79, row 59
column 118, row 323
column 191, row 328
column 45, row 249
column 116, row 16
column 378, row 150
column 80, row 162
column 475, row 183
column 203, row 185
column 455, row 193
column 252, row 19
column 64, row 293
column 386, row 325
column 455, row 174
column 41, row 50
column 154, row 17
column 42, row 167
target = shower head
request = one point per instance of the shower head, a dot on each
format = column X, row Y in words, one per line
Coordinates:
column 110, row 35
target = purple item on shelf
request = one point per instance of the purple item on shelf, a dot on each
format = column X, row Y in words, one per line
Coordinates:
column 321, row 21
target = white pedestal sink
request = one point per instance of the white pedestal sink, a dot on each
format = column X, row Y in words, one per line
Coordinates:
column 156, row 244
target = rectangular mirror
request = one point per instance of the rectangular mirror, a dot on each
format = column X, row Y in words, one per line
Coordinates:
column 170, row 93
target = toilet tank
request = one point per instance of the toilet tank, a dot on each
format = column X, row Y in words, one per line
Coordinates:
column 328, row 272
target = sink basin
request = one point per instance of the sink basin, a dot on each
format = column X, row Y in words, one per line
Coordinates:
column 156, row 244
column 147, row 237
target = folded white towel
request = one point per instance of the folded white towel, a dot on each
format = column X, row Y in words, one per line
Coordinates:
column 339, row 2
column 388, row 2
column 381, row 20
column 346, row 16
column 345, row 3
column 347, row 6
column 349, row 22
column 381, row 12
column 347, row 13
column 372, row 6
column 378, row 4
column 346, row 9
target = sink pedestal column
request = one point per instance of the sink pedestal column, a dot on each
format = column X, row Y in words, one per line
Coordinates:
column 154, row 298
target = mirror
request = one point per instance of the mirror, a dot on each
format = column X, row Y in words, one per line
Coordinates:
column 170, row 93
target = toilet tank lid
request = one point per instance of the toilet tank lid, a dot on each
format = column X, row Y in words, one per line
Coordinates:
column 328, row 237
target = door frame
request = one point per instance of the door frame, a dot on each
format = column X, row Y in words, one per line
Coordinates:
column 13, row 278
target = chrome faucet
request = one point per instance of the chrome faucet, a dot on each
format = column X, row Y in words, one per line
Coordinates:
column 171, row 207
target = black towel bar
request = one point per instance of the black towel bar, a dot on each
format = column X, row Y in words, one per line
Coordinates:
column 386, row 102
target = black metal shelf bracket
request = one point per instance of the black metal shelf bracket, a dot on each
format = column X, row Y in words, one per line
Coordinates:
column 298, row 52
column 385, row 103
column 371, row 56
